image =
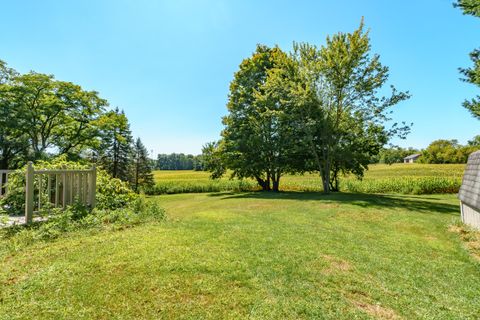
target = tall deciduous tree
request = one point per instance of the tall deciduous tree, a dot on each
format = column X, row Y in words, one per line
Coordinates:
column 472, row 74
column 255, row 141
column 338, row 103
column 14, row 144
column 54, row 116
column 143, row 176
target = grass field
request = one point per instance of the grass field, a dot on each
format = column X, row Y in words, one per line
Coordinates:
column 255, row 255
column 397, row 178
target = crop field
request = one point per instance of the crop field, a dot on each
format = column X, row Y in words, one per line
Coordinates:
column 397, row 178
column 290, row 255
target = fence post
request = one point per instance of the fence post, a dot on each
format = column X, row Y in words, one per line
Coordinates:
column 29, row 177
column 93, row 186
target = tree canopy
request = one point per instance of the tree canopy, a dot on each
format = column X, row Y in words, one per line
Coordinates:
column 257, row 136
column 317, row 109
column 472, row 74
column 41, row 118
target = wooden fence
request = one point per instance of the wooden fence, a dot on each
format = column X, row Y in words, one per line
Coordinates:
column 57, row 188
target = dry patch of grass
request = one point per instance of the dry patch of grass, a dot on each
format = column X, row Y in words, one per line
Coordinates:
column 336, row 265
column 363, row 302
column 470, row 237
column 376, row 311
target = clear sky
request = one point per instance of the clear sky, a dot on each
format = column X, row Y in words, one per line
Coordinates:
column 168, row 64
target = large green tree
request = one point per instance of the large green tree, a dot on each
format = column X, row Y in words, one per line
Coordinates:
column 40, row 116
column 57, row 116
column 472, row 74
column 14, row 144
column 257, row 138
column 339, row 105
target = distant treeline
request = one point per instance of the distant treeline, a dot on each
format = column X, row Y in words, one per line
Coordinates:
column 178, row 161
column 439, row 151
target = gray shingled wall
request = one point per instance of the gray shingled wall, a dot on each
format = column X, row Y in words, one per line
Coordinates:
column 470, row 189
column 469, row 193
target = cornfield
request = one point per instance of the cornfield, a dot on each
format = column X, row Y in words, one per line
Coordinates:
column 398, row 178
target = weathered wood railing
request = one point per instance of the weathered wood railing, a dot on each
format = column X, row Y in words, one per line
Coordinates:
column 58, row 188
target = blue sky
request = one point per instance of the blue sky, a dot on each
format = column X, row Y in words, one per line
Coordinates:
column 168, row 64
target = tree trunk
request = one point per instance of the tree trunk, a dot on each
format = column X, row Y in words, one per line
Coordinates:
column 265, row 184
column 334, row 179
column 269, row 178
column 136, row 176
column 276, row 182
column 325, row 174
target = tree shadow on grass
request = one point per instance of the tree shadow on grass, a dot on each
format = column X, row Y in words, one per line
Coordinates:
column 414, row 203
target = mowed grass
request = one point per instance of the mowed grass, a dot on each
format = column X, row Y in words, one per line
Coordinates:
column 259, row 256
column 397, row 178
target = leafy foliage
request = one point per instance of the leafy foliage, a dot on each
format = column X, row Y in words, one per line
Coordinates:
column 48, row 115
column 472, row 74
column 257, row 138
column 316, row 110
column 14, row 145
column 471, row 7
column 447, row 151
column 394, row 155
column 41, row 117
column 343, row 113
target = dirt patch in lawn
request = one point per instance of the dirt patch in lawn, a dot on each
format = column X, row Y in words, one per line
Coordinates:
column 470, row 237
column 336, row 265
column 376, row 311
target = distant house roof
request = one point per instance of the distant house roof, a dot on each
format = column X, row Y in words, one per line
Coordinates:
column 412, row 156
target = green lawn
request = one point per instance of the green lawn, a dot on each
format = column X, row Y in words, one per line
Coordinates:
column 259, row 256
